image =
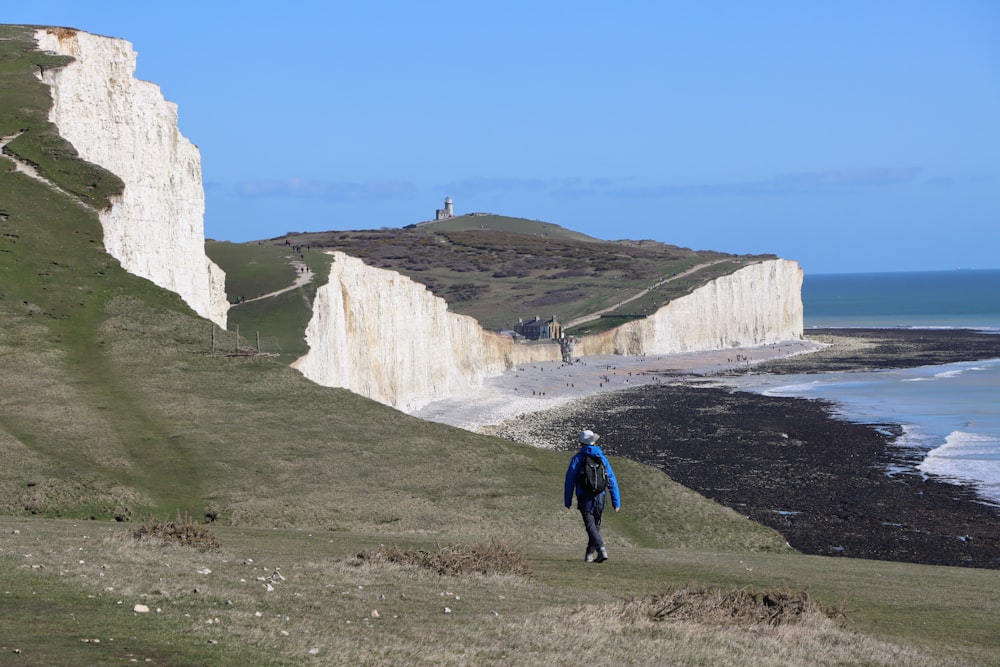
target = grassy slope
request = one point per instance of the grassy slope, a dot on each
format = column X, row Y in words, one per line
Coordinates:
column 255, row 269
column 111, row 404
column 504, row 223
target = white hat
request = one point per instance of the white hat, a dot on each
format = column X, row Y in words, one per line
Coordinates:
column 588, row 437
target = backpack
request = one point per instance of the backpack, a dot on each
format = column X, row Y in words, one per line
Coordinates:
column 593, row 476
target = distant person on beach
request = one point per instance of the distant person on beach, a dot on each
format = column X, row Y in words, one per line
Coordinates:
column 589, row 471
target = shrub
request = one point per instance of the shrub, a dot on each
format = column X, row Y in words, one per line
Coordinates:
column 736, row 607
column 183, row 530
column 494, row 558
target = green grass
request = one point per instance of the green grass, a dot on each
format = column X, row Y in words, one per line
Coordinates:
column 544, row 230
column 252, row 269
column 256, row 269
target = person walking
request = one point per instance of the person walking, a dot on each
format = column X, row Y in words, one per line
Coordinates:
column 590, row 497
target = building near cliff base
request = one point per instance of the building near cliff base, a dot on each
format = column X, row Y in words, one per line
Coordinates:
column 447, row 212
column 539, row 329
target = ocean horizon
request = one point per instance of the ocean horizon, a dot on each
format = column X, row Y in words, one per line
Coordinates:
column 959, row 299
column 949, row 413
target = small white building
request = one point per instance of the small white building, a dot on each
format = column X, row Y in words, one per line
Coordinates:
column 447, row 212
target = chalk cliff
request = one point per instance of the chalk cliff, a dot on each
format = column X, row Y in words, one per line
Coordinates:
column 756, row 305
column 382, row 335
column 156, row 228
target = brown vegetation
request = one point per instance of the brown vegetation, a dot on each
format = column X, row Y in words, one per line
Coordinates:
column 63, row 33
column 492, row 558
column 736, row 608
column 183, row 531
column 482, row 269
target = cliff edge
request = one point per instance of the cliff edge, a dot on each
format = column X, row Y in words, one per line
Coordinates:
column 156, row 228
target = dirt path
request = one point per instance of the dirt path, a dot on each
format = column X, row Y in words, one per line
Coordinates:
column 593, row 316
column 304, row 275
column 29, row 169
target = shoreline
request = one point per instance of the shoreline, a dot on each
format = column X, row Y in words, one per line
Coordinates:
column 549, row 385
column 790, row 463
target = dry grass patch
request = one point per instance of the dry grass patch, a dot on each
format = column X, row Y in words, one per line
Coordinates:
column 183, row 531
column 714, row 606
column 493, row 558
column 712, row 626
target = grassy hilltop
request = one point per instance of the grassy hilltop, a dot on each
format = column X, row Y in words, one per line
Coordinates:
column 497, row 269
column 333, row 514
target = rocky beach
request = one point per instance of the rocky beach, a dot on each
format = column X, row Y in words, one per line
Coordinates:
column 788, row 463
column 544, row 386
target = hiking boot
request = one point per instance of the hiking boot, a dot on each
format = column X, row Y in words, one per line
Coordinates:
column 602, row 555
column 591, row 556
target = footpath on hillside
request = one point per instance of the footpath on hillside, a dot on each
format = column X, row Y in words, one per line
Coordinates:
column 304, row 276
column 28, row 169
column 641, row 293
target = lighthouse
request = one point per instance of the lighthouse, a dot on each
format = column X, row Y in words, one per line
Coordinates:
column 447, row 212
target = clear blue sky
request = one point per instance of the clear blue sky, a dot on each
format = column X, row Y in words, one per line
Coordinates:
column 850, row 135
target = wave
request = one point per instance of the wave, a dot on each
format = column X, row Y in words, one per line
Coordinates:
column 968, row 369
column 953, row 370
column 968, row 458
column 967, row 446
column 983, row 329
column 793, row 389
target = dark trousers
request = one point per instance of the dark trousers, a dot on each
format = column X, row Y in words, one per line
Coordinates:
column 591, row 511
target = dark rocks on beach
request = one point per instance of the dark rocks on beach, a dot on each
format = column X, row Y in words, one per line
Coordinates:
column 829, row 486
column 819, row 481
column 871, row 349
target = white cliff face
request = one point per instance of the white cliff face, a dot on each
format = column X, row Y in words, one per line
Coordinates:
column 384, row 336
column 156, row 228
column 757, row 305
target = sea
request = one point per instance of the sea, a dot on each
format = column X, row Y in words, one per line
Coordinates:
column 950, row 413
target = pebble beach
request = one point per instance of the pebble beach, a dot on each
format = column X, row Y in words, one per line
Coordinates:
column 539, row 387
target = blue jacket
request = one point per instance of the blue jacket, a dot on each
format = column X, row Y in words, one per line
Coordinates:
column 573, row 480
